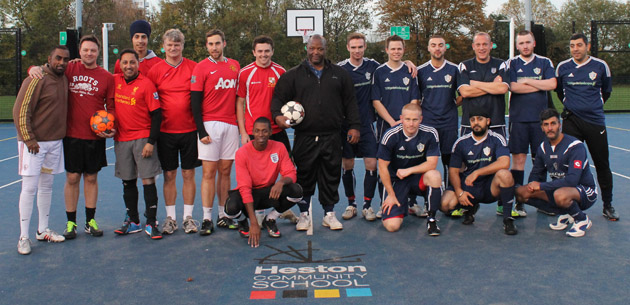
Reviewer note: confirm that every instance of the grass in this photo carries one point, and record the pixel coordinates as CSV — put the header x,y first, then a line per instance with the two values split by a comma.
x,y
6,107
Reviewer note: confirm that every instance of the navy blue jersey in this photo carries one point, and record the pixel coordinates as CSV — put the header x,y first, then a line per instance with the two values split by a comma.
x,y
527,107
567,165
582,86
470,154
394,88
473,70
405,152
437,91
362,79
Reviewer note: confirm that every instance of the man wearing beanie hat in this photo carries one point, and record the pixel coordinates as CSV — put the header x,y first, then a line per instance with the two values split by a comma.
x,y
140,32
479,171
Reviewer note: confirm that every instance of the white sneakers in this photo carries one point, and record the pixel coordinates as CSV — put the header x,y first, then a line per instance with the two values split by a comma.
x,y
369,214
50,236
24,246
349,213
303,222
330,221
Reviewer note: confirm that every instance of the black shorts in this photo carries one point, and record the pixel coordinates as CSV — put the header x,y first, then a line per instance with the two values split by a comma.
x,y
172,145
84,156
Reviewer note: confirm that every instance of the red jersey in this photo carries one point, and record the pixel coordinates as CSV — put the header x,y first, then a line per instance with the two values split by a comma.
x,y
89,91
173,86
257,169
255,85
134,101
217,80
144,65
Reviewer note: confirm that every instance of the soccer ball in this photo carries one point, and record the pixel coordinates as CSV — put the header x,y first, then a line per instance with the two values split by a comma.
x,y
102,121
294,111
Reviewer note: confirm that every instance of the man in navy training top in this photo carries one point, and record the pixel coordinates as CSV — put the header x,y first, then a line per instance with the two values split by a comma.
x,y
531,76
407,158
584,85
479,172
572,187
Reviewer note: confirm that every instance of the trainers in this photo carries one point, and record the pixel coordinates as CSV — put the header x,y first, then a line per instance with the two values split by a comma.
x,y
562,222
424,213
579,228
304,222
243,228
546,212
519,208
128,227
610,213
272,229
92,228
500,211
50,236
330,221
190,225
349,213
379,214
415,210
469,218
153,231
24,246
457,213
206,227
432,227
223,222
290,216
508,226
71,230
369,214
169,226
232,224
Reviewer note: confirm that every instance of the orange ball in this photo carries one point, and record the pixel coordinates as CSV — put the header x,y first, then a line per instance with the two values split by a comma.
x,y
102,121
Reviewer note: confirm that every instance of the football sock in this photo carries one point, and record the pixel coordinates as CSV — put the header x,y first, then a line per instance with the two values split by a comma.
x,y
151,202
446,160
412,200
348,180
89,214
188,210
130,196
518,176
273,214
434,200
170,212
328,207
575,211
44,199
27,195
222,211
72,216
367,202
507,197
304,204
369,187
207,213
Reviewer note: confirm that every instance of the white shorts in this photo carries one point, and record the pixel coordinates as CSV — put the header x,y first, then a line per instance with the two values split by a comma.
x,y
49,159
225,142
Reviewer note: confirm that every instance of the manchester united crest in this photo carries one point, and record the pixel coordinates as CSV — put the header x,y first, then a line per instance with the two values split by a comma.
x,y
274,157
486,151
448,78
592,75
406,81
537,71
233,68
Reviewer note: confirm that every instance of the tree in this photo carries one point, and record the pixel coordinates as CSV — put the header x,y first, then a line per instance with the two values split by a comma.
x,y
543,12
455,20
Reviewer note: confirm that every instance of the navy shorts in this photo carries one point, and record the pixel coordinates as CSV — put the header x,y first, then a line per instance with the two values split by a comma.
x,y
481,190
588,196
525,137
173,145
412,185
497,129
447,136
366,148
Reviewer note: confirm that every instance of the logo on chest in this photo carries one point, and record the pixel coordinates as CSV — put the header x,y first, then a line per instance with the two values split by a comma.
x,y
274,157
487,151
537,71
272,82
406,81
448,78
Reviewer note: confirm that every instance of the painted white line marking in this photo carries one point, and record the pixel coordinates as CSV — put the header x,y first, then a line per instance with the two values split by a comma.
x,y
620,148
8,139
618,174
9,158
9,184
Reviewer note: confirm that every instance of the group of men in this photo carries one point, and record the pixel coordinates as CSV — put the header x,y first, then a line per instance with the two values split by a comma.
x,y
200,113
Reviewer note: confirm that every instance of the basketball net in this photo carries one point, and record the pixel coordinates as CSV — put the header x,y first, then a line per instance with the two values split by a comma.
x,y
306,34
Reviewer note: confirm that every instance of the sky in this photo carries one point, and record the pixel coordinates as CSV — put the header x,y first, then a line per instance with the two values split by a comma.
x,y
494,5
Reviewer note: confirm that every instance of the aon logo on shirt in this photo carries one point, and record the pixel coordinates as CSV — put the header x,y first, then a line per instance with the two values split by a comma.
x,y
225,84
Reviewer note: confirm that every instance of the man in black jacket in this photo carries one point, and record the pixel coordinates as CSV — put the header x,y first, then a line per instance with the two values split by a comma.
x,y
327,93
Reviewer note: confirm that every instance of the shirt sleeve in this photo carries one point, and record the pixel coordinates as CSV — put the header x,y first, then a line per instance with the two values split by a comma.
x,y
375,89
456,156
241,91
433,149
385,149
151,96
243,178
578,161
512,70
548,71
287,169
503,72
109,100
463,79
415,91
25,104
197,79
117,69
606,79
539,171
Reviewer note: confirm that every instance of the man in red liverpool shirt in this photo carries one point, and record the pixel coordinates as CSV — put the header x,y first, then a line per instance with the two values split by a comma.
x,y
91,88
140,32
138,119
178,133
258,164
213,101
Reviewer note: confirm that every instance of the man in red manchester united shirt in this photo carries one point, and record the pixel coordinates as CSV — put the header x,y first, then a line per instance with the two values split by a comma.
x,y
138,119
213,100
258,164
178,133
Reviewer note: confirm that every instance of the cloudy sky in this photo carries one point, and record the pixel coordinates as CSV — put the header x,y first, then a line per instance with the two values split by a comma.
x,y
494,5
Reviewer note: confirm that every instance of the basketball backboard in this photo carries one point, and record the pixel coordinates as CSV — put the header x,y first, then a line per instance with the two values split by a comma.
x,y
305,22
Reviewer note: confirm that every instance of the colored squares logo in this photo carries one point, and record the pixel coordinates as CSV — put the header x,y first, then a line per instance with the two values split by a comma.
x,y
326,293
262,295
317,293
358,292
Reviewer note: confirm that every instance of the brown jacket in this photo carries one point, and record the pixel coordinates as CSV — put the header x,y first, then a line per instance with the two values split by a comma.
x,y
41,108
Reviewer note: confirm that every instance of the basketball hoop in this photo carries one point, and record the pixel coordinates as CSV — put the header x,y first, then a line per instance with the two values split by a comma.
x,y
306,33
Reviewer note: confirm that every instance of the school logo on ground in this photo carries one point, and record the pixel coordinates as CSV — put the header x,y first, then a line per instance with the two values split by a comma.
x,y
301,273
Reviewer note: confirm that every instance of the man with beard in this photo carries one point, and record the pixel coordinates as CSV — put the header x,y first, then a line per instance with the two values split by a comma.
x,y
479,172
572,187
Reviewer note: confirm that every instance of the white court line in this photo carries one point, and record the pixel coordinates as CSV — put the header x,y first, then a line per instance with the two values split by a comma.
x,y
8,139
9,158
108,148
620,148
618,128
9,184
618,174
